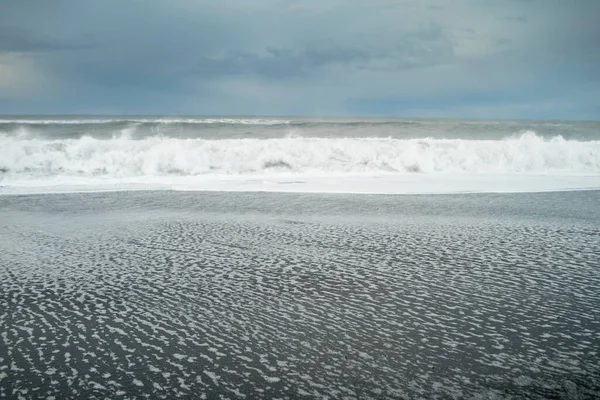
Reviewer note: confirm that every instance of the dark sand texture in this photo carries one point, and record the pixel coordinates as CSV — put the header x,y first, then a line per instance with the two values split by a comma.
x,y
195,295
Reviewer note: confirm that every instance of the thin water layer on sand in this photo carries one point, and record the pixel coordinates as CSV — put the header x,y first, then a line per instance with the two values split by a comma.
x,y
350,184
201,295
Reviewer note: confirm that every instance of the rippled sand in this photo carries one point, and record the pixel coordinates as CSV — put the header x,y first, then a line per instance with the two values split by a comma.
x,y
198,295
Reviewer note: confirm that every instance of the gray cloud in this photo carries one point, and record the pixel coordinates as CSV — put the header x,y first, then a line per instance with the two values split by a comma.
x,y
412,51
16,39
291,56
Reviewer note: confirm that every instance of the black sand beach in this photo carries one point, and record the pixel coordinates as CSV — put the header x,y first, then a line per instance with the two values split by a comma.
x,y
266,295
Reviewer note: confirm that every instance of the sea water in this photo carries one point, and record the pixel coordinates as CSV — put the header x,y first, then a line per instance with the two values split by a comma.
x,y
40,154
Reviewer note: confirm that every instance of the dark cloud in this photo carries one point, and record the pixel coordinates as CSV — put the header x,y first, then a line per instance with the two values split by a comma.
x,y
16,39
426,49
291,56
279,63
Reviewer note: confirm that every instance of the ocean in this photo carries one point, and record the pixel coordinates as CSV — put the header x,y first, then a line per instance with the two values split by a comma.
x,y
299,258
40,154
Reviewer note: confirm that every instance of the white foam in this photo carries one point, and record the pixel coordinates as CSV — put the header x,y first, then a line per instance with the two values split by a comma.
x,y
370,165
359,184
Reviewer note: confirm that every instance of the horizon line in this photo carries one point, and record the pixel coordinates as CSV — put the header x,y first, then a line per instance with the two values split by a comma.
x,y
362,116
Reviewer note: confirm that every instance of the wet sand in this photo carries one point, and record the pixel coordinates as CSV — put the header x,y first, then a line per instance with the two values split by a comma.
x,y
264,295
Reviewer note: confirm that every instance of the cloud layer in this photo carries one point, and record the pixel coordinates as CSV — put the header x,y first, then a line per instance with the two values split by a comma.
x,y
466,58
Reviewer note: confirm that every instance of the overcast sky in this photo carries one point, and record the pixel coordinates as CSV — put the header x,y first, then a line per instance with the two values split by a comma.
x,y
428,58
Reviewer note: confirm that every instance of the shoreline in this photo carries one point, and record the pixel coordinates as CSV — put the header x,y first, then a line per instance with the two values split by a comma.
x,y
370,184
408,194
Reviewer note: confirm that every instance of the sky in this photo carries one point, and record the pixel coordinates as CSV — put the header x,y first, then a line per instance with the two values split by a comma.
x,y
431,58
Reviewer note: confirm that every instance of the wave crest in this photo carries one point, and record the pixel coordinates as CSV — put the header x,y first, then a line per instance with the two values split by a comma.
x,y
122,157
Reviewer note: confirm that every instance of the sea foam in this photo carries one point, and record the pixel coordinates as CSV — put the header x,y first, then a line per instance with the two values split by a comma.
x,y
122,157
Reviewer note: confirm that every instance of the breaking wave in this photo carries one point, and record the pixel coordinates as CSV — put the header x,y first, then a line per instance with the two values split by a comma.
x,y
122,157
